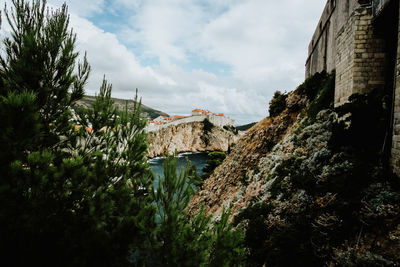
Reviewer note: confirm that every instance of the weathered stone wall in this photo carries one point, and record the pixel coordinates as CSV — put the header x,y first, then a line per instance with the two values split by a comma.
x,y
344,61
322,44
395,160
352,43
219,121
344,40
360,57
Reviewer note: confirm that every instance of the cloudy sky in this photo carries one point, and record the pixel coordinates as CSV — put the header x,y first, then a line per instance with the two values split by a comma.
x,y
223,55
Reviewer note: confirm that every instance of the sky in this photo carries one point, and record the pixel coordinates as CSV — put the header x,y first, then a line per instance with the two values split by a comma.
x,y
227,56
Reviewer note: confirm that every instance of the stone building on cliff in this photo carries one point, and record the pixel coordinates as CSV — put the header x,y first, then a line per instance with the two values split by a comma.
x,y
360,40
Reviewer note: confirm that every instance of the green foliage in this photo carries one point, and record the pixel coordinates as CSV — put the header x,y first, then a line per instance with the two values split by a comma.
x,y
231,128
175,232
244,179
277,104
366,110
184,241
214,159
312,85
207,126
274,244
231,147
77,190
290,177
14,137
325,94
245,127
40,59
337,195
353,258
256,232
69,196
88,101
227,245
256,169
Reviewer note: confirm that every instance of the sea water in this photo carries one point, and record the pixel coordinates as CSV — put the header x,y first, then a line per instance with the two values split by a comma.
x,y
198,159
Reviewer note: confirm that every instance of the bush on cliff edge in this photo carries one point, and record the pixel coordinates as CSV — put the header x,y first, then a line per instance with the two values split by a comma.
x,y
330,205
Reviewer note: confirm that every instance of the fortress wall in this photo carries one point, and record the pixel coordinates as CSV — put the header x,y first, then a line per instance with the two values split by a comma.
x,y
360,57
322,43
395,159
219,121
369,54
323,46
344,61
151,128
353,42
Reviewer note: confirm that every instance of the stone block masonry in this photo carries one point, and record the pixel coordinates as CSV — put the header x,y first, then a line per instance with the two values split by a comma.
x,y
359,38
395,158
345,40
360,57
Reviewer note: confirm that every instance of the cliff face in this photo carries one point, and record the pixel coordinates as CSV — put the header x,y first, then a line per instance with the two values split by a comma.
x,y
248,172
239,179
310,188
189,137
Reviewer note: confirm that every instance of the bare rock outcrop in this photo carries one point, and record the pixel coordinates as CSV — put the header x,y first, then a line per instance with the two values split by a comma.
x,y
189,137
238,180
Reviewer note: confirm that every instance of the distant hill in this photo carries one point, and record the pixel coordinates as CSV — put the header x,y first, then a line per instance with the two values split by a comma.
x,y
150,113
245,127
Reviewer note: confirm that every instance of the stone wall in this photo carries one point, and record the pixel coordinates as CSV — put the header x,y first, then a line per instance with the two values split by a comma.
x,y
358,42
360,57
395,159
219,121
322,44
344,40
344,61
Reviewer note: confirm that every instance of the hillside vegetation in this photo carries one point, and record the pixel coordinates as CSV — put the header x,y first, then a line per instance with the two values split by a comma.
x,y
245,126
311,186
147,112
78,190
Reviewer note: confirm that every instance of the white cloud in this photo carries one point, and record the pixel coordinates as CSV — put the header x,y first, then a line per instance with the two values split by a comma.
x,y
165,28
259,37
260,45
263,42
81,7
108,56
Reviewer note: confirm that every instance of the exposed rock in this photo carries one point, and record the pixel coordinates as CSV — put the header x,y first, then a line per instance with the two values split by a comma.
x,y
287,177
238,180
189,137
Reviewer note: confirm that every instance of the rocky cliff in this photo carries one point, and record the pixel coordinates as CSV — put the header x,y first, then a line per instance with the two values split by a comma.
x,y
239,179
189,137
312,186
